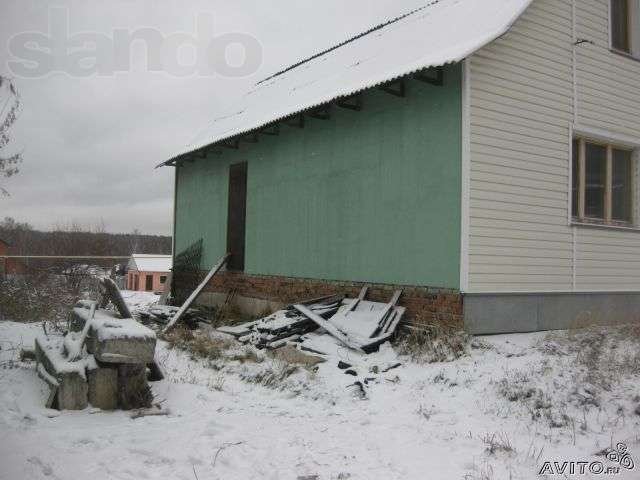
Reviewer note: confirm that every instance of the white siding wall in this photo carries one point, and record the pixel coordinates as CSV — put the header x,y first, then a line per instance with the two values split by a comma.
x,y
523,109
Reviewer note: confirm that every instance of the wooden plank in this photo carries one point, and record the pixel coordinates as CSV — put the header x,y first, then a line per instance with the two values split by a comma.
x,y
356,301
392,303
329,327
185,306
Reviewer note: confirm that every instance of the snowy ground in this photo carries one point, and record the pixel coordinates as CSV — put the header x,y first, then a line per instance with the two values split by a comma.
x,y
500,412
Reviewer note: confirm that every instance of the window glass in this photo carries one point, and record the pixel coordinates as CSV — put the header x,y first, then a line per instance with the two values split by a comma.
x,y
163,279
620,20
595,178
621,186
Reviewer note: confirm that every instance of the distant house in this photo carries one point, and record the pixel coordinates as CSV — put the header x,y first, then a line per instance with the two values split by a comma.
x,y
148,273
484,155
9,266
4,250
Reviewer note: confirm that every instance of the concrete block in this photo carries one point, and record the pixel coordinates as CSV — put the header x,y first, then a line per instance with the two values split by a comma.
x,y
133,389
103,387
65,377
120,340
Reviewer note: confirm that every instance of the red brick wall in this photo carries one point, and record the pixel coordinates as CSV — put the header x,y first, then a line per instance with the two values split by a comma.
x,y
424,305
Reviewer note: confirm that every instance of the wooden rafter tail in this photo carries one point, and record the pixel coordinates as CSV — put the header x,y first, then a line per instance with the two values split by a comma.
x,y
351,103
272,130
234,144
438,80
396,87
295,121
321,113
185,306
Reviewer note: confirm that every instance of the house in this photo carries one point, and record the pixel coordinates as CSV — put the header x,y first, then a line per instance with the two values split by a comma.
x,y
9,266
4,250
482,154
148,273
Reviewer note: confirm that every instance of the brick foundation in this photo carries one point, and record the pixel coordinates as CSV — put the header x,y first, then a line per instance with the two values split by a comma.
x,y
424,305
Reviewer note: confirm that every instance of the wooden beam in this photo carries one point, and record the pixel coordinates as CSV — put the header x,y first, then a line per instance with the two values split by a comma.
x,y
295,121
235,144
321,113
395,87
351,103
271,130
253,138
437,79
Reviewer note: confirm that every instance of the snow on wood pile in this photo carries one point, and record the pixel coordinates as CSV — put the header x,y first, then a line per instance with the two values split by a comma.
x,y
357,323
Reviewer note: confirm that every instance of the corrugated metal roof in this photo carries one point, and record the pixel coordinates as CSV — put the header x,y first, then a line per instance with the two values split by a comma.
x,y
439,33
150,263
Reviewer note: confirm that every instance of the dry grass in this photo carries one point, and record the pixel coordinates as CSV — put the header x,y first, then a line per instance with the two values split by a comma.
x,y
603,355
433,344
497,443
198,344
273,375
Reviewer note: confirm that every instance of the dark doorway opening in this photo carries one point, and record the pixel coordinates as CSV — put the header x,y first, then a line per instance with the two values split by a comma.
x,y
149,283
236,216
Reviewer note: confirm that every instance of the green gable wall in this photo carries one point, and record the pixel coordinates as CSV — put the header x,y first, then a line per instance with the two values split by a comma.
x,y
365,196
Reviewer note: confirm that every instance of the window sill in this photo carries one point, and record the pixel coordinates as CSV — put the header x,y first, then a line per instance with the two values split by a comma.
x,y
622,53
605,226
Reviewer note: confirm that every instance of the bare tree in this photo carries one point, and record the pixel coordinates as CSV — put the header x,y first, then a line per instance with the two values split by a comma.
x,y
10,104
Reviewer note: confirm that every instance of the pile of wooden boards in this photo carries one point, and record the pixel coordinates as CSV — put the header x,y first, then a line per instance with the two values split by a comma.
x,y
357,323
283,326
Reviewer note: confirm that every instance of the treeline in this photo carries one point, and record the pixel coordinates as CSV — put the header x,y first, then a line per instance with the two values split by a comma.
x,y
74,239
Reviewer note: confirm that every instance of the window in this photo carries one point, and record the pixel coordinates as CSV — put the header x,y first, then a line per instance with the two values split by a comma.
x,y
163,279
602,183
625,26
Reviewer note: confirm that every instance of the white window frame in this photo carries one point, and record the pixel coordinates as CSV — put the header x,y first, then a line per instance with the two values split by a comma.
x,y
635,31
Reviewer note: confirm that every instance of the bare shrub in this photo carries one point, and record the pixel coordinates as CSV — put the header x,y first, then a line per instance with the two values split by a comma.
x,y
604,355
434,344
516,387
272,375
199,345
42,297
497,443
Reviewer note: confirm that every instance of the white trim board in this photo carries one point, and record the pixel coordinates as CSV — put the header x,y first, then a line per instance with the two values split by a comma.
x,y
465,175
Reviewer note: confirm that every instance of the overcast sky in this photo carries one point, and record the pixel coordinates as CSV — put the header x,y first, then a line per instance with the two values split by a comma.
x,y
91,143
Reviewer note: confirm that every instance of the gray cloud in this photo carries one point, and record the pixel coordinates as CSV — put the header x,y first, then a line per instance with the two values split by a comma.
x,y
91,144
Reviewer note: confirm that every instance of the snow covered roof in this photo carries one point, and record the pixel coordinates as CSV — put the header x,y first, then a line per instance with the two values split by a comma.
x,y
438,33
150,263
